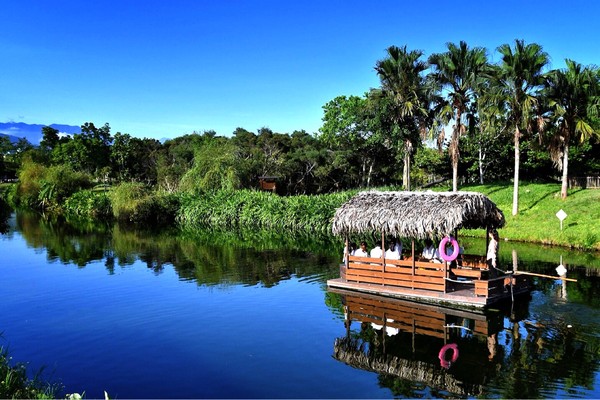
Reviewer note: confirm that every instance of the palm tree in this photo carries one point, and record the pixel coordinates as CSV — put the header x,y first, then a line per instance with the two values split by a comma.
x,y
402,82
519,78
456,72
573,97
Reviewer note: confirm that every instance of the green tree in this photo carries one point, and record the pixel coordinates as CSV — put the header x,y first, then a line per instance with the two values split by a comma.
x,y
175,158
5,149
215,167
518,81
346,132
573,97
457,72
50,138
402,81
134,159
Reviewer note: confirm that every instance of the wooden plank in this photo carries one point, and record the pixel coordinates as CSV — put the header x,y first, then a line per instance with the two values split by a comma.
x,y
392,278
395,283
467,273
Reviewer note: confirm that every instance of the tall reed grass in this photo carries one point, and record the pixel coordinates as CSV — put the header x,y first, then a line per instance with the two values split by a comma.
x,y
260,210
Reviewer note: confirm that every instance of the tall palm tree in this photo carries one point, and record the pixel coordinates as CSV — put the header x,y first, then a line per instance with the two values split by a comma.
x,y
573,97
519,78
456,72
403,83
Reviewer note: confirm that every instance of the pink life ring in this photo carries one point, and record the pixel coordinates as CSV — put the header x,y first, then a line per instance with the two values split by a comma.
x,y
455,249
442,355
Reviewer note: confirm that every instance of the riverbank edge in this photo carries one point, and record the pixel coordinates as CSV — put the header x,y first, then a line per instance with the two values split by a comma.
x,y
536,221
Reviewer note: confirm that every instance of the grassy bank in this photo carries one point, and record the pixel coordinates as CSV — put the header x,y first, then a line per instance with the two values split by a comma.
x,y
247,209
537,221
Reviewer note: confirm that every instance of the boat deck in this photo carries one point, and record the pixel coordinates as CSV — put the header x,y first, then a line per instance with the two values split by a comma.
x,y
462,296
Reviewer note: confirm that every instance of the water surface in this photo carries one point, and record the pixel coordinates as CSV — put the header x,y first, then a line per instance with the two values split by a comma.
x,y
223,315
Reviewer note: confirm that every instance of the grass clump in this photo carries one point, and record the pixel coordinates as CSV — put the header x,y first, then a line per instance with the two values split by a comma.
x,y
14,383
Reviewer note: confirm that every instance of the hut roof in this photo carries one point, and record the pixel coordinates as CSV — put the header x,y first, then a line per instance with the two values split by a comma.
x,y
416,214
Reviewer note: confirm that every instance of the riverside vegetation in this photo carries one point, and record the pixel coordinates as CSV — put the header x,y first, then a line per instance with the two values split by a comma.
x,y
250,209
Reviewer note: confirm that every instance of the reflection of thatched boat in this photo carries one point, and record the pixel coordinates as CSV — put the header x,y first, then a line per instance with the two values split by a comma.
x,y
420,215
402,339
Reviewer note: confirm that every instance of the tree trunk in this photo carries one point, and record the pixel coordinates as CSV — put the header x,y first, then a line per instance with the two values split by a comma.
x,y
407,162
515,208
364,172
565,172
454,151
406,170
481,157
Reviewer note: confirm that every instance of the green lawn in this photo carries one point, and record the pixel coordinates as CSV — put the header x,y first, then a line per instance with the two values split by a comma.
x,y
537,220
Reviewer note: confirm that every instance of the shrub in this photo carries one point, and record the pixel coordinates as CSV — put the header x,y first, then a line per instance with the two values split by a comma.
x,y
155,210
47,187
88,204
28,188
132,202
58,183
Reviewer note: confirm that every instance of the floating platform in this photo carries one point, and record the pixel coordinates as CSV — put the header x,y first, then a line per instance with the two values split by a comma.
x,y
467,287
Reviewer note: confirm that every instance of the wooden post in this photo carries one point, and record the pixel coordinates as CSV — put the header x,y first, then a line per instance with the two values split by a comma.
x,y
413,263
383,251
347,255
445,274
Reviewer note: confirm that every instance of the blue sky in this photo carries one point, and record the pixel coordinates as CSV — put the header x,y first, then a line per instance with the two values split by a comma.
x,y
166,68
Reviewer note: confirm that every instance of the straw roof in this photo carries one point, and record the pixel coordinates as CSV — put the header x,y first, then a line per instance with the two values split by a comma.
x,y
416,214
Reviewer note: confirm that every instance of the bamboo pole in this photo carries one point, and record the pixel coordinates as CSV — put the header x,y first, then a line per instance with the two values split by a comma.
x,y
544,276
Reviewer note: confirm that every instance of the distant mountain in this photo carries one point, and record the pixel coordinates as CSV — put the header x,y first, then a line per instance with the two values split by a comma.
x,y
32,132
13,139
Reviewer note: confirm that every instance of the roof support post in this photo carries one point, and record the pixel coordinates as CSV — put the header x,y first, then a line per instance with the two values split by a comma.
x,y
412,252
347,255
383,251
445,274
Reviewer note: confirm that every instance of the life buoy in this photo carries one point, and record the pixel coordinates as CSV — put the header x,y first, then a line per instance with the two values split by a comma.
x,y
455,249
442,355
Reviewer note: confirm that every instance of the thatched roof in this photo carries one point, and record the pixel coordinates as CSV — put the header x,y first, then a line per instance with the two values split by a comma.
x,y
416,214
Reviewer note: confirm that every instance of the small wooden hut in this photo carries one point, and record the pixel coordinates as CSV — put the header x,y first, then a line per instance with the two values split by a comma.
x,y
421,215
268,183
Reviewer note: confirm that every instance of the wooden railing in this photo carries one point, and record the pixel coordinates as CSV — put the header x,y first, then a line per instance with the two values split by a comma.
x,y
401,273
417,274
584,182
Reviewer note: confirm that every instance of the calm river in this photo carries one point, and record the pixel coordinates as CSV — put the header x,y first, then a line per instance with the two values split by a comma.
x,y
207,315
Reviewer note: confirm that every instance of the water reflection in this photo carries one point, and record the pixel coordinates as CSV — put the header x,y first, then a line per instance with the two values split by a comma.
x,y
421,350
411,345
548,347
206,257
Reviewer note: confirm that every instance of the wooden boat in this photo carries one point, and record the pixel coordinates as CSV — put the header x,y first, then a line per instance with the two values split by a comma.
x,y
446,349
418,216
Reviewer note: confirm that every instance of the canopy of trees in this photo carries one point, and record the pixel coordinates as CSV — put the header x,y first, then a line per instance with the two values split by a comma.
x,y
546,121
